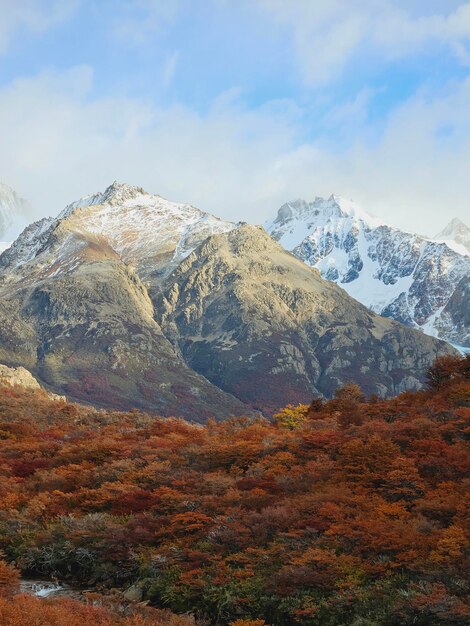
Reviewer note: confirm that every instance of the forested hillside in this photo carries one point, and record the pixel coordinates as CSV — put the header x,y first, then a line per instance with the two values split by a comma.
x,y
349,511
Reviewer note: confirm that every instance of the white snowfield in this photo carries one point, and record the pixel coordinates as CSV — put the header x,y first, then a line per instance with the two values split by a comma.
x,y
394,273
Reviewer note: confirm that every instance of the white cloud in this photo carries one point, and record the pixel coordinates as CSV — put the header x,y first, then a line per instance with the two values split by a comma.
x,y
328,35
169,69
35,16
233,161
137,21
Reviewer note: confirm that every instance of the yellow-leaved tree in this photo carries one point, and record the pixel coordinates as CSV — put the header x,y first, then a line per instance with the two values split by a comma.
x,y
292,416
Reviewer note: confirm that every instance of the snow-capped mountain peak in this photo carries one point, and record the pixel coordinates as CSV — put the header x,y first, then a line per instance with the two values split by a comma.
x,y
394,273
116,194
144,229
456,235
298,219
352,209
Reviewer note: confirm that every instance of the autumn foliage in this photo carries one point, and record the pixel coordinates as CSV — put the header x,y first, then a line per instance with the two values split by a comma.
x,y
29,611
348,511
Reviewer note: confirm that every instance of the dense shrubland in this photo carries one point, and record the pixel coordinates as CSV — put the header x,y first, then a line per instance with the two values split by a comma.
x,y
349,511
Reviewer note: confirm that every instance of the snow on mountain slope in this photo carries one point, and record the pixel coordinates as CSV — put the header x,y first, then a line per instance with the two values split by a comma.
x,y
396,274
456,235
12,215
146,231
75,312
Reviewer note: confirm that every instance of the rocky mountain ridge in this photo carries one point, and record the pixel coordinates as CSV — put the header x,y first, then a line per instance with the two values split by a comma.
x,y
259,323
396,274
127,300
79,317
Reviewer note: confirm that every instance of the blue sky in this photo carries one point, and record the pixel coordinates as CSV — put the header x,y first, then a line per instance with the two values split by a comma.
x,y
240,105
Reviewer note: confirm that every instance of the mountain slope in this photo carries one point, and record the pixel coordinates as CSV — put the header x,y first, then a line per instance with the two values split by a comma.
x,y
148,232
393,273
80,319
260,324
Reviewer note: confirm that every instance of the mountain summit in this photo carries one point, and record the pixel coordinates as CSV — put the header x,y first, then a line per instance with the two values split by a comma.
x,y
456,235
147,231
394,273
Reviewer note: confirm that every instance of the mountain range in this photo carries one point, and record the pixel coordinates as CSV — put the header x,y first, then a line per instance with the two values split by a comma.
x,y
420,282
127,300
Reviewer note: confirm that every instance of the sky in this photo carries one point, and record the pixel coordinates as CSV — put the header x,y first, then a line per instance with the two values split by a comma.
x,y
237,106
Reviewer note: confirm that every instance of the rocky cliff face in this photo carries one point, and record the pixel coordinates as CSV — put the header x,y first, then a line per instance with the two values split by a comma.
x,y
455,317
395,274
127,300
260,324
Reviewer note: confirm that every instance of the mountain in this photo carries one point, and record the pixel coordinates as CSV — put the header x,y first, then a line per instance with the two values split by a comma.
x,y
396,274
260,324
12,215
80,319
455,316
456,235
128,300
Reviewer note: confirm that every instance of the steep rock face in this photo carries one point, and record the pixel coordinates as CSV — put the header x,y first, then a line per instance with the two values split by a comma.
x,y
262,325
12,215
456,235
395,274
81,320
455,317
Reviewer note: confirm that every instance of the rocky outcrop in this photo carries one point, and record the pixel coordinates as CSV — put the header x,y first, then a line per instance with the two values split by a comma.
x,y
455,318
20,377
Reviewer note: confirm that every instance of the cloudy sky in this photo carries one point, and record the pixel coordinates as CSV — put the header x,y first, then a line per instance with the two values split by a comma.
x,y
237,106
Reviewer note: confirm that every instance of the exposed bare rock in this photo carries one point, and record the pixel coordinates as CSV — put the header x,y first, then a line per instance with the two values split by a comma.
x,y
260,324
20,377
82,321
